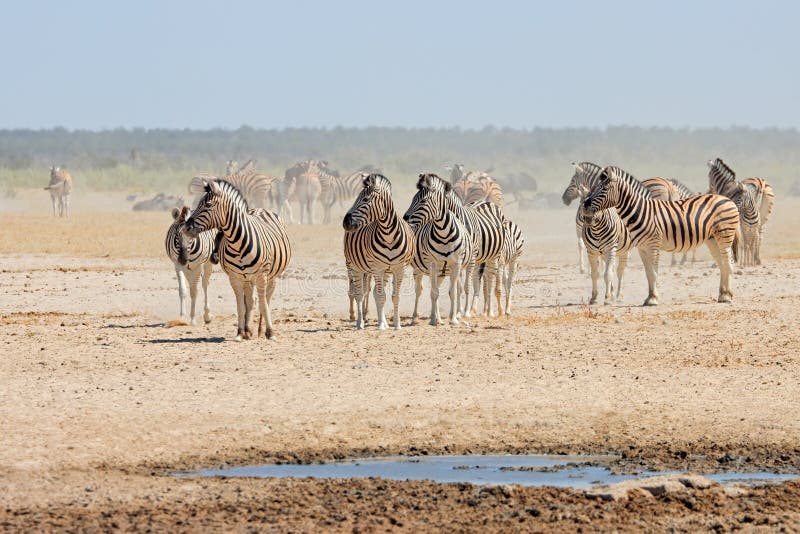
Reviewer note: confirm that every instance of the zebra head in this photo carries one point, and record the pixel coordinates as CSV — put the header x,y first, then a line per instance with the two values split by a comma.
x,y
604,194
220,199
374,203
428,202
720,176
745,199
581,181
178,218
231,166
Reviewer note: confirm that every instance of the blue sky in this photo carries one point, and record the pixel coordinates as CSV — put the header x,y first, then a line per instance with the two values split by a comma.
x,y
198,64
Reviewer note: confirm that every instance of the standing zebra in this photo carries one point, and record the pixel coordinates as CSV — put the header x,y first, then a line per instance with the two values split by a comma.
x,y
513,242
338,190
442,245
678,226
192,259
746,198
254,249
484,221
60,188
308,188
605,236
376,242
722,181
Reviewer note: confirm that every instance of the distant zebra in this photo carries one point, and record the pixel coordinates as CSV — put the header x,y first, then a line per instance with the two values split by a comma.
x,y
376,242
484,189
192,260
254,249
671,190
256,188
308,188
722,181
338,190
679,226
60,188
442,246
484,221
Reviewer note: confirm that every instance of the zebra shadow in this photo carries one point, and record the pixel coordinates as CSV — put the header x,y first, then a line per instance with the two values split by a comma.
x,y
188,340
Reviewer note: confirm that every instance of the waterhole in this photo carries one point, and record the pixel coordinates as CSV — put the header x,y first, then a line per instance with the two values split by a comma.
x,y
579,472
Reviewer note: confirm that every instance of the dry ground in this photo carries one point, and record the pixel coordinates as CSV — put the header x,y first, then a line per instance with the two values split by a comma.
x,y
98,399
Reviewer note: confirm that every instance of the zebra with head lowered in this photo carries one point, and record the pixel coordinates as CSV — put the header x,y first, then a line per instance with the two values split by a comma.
x,y
254,249
60,188
192,258
484,222
678,226
722,181
376,242
442,246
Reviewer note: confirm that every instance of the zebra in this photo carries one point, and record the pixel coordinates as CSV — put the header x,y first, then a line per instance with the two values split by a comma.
x,y
484,189
442,245
376,242
192,259
513,243
338,189
307,188
484,221
256,188
745,196
253,251
722,181
605,236
60,188
677,226
671,190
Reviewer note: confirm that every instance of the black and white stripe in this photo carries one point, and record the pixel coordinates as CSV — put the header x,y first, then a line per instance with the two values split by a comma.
x,y
376,242
254,248
192,258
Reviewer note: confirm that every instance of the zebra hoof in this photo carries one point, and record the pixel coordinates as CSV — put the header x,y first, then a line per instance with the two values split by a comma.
x,y
651,301
269,334
238,337
724,297
434,322
593,300
193,321
453,322
207,318
382,326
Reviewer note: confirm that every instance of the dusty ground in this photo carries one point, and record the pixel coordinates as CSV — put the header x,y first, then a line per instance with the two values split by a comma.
x,y
99,400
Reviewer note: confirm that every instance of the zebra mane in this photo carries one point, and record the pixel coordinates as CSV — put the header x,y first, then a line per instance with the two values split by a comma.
x,y
379,180
230,190
625,176
720,168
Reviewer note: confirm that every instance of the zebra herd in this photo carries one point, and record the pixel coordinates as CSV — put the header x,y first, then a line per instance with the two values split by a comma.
x,y
617,212
453,229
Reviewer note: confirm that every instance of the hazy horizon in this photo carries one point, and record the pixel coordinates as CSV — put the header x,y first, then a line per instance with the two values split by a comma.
x,y
91,65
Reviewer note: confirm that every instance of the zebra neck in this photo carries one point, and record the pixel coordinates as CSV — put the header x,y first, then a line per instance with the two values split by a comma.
x,y
390,221
444,220
630,203
236,223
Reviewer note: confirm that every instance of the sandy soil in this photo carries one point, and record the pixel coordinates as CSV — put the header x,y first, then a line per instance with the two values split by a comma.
x,y
99,401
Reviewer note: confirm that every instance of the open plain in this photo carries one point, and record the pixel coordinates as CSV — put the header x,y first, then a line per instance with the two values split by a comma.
x,y
100,401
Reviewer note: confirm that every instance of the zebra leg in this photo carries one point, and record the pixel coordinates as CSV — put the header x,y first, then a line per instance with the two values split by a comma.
x,y
239,290
248,308
761,229
581,254
351,293
594,267
611,260
455,280
723,258
360,281
622,262
476,287
397,279
433,272
194,279
379,293
181,289
265,288
66,205
497,281
207,268
649,257
368,285
509,279
53,201
417,294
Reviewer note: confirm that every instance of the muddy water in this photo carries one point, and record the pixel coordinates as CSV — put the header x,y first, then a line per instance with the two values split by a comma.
x,y
580,472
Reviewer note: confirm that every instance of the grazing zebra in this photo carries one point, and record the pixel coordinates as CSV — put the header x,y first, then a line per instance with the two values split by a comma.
x,y
442,246
678,226
338,190
376,242
254,249
60,188
746,198
605,236
192,259
484,221
722,181
671,190
484,189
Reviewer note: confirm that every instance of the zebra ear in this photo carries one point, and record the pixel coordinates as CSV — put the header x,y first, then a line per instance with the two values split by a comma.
x,y
577,166
421,180
214,188
710,163
175,213
448,187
